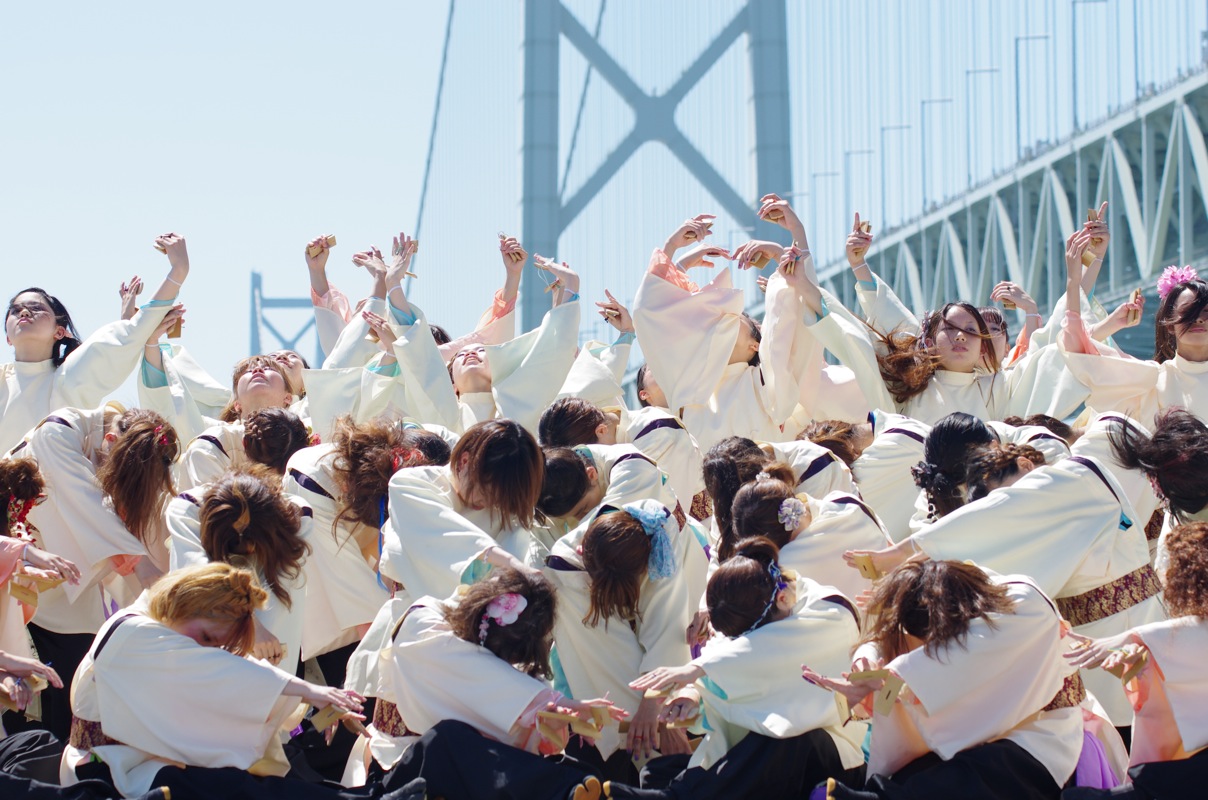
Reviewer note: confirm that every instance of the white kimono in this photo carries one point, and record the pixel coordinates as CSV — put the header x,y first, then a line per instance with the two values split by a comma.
x,y
696,333
1173,719
433,675
29,390
77,520
431,541
753,682
661,436
882,471
605,658
839,522
1073,528
191,399
1142,388
228,717
343,592
285,622
597,373
819,471
212,454
993,687
526,372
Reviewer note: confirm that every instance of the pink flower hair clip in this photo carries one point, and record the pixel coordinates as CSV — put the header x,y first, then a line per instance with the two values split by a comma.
x,y
1172,276
504,609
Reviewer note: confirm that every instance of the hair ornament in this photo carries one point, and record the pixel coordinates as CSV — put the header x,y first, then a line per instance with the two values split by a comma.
x,y
402,456
763,476
779,584
18,510
314,440
1172,276
162,441
656,520
790,513
504,609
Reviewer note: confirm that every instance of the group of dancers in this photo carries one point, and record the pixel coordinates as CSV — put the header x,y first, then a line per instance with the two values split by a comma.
x,y
944,563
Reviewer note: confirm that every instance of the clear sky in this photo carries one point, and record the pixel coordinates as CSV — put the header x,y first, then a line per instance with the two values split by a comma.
x,y
251,127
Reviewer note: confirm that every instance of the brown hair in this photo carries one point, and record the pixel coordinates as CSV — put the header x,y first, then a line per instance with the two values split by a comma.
x,y
247,522
991,465
741,589
992,315
214,591
366,458
1175,457
1165,343
616,552
505,462
565,481
20,481
525,643
1052,424
570,421
137,474
835,435
230,412
1186,584
908,362
756,509
728,465
272,435
934,601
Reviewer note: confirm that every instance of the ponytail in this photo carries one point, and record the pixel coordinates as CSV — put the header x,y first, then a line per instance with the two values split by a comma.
x,y
616,552
1175,458
756,510
272,435
991,465
137,475
247,522
742,591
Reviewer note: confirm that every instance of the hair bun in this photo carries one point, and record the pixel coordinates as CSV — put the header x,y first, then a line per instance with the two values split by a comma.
x,y
757,548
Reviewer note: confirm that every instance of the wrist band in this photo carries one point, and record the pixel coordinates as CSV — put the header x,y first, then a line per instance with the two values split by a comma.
x,y
1033,315
170,279
152,346
396,289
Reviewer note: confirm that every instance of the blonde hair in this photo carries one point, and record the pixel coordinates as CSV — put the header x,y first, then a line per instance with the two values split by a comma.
x,y
214,591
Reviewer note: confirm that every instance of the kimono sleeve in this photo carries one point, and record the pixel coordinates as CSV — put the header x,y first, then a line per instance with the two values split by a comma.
x,y
105,359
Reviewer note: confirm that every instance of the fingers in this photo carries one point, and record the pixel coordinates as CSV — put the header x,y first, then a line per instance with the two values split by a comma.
x,y
50,675
1102,213
855,228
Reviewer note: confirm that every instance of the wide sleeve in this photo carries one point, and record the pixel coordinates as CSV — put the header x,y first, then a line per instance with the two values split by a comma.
x,y
597,373
496,326
425,374
205,460
353,347
427,546
666,609
184,532
883,309
76,522
665,440
851,342
786,350
695,331
527,372
105,359
190,398
1179,646
332,312
1115,383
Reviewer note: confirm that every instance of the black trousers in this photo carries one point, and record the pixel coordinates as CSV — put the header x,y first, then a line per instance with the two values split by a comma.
x,y
459,763
328,760
757,767
31,754
1000,770
64,652
199,783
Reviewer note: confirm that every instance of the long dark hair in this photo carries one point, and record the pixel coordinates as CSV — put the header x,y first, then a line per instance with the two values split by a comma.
x,y
907,361
727,466
63,347
1165,343
945,458
1175,458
